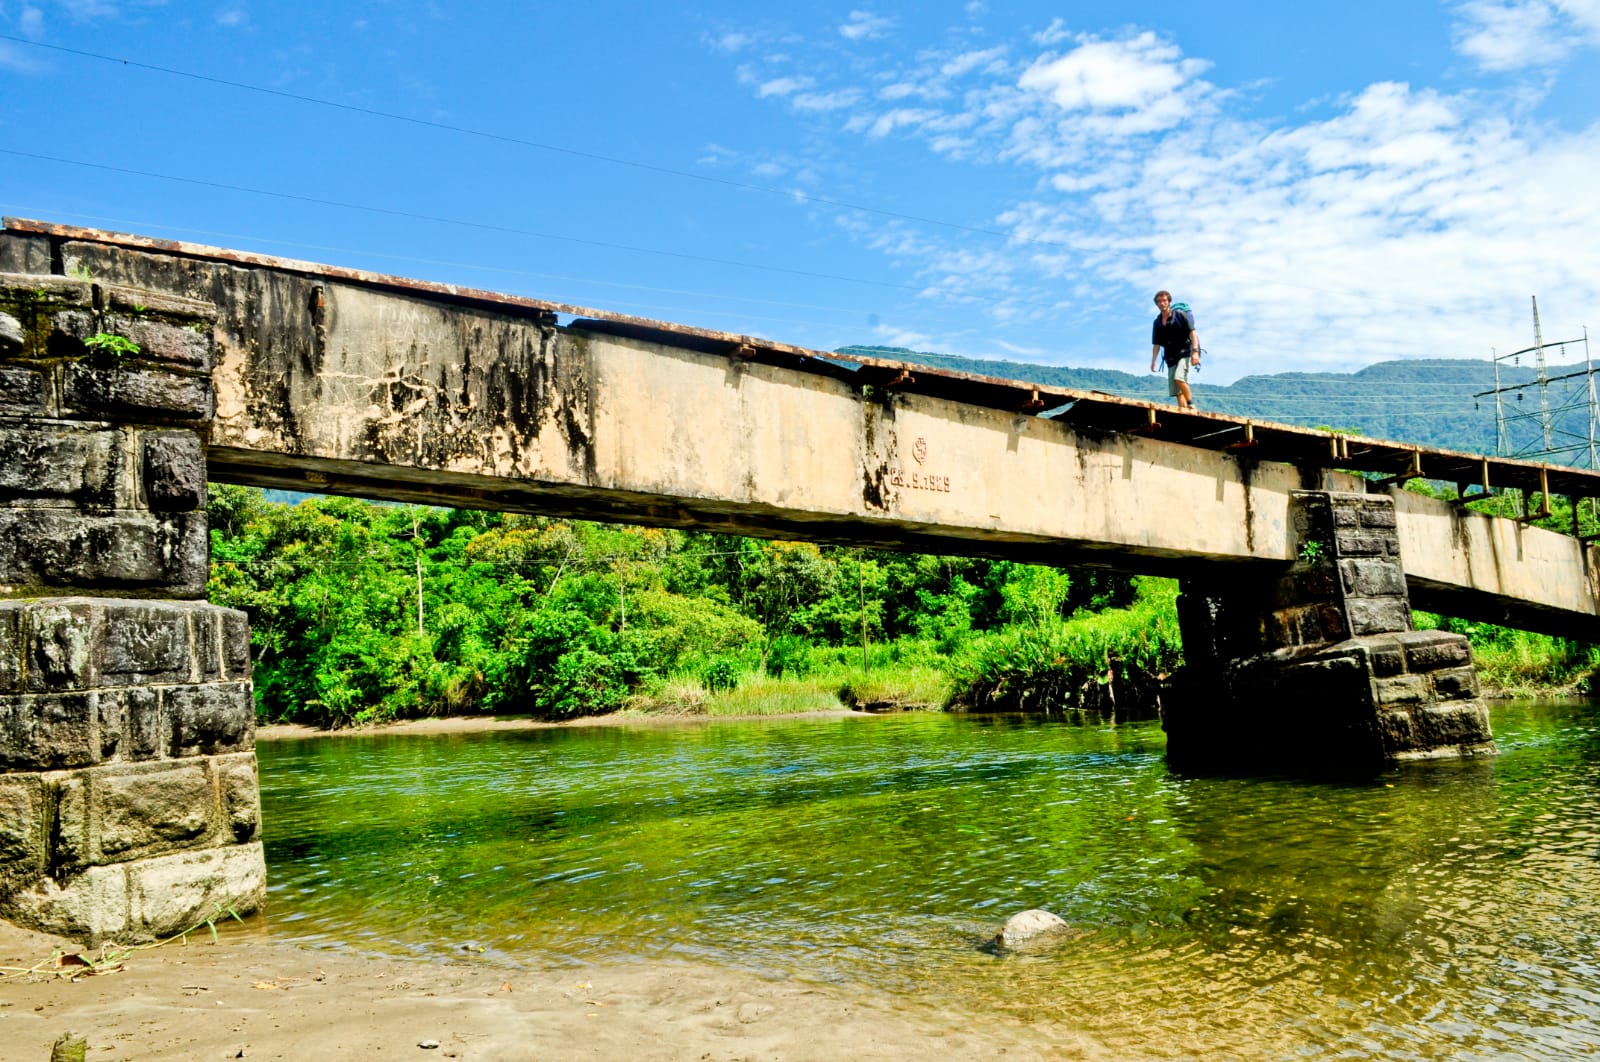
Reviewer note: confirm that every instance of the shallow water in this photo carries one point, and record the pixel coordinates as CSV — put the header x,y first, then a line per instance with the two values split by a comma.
x,y
1441,911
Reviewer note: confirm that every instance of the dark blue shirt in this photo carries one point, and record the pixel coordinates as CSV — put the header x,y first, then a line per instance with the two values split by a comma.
x,y
1173,337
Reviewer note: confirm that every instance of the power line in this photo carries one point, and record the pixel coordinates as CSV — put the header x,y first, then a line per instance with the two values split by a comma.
x,y
535,144
483,225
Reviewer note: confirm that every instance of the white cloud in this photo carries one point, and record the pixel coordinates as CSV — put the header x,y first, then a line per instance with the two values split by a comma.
x,y
1052,34
1507,35
783,86
967,62
1510,34
31,21
827,101
232,17
889,121
731,41
864,26
88,9
1140,75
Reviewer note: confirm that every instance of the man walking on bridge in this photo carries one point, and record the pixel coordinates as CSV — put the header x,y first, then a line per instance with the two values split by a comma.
x,y
1174,334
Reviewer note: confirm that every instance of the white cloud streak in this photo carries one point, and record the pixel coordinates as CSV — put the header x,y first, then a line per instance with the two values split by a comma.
x,y
864,26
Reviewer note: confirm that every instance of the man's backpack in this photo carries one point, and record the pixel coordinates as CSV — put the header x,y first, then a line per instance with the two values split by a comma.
x,y
1182,309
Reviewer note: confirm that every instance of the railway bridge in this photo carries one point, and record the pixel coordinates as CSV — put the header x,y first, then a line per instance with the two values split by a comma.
x,y
134,370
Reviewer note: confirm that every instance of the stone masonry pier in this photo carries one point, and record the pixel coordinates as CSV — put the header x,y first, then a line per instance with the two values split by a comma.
x,y
1319,665
128,793
132,370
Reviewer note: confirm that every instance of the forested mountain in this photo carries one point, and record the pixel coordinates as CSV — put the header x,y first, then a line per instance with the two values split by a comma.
x,y
1430,401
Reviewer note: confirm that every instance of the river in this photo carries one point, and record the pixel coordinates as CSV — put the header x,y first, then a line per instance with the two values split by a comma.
x,y
1447,910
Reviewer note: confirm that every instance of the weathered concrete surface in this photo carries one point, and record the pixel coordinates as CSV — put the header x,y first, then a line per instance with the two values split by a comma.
x,y
1465,563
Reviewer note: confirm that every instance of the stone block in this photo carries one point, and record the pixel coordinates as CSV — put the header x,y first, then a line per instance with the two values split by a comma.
x,y
61,460
211,718
177,344
52,549
175,893
110,720
1346,516
22,253
68,848
1378,615
40,286
1386,656
58,641
1333,677
1359,544
147,735
48,731
23,392
206,625
236,644
131,393
138,301
1395,730
1378,515
1403,689
77,325
143,644
1372,577
11,659
1433,650
11,335
1458,723
174,471
22,830
140,810
237,779
90,907
1456,684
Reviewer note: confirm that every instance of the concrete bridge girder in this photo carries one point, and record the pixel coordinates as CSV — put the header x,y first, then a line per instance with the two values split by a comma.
x,y
476,405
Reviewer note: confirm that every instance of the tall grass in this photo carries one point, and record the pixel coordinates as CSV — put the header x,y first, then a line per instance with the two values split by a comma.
x,y
1097,661
757,693
1519,663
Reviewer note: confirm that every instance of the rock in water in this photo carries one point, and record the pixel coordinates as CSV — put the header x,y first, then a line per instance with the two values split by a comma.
x,y
1027,926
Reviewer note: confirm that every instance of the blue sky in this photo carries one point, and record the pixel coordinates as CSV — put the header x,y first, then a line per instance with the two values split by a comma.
x,y
1328,185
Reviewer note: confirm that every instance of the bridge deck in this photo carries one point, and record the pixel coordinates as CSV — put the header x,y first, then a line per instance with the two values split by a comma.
x,y
1476,475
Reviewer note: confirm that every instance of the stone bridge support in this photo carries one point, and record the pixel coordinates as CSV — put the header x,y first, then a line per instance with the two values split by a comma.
x,y
129,805
1319,666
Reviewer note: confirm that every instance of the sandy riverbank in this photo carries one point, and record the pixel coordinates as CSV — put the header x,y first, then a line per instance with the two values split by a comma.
x,y
252,997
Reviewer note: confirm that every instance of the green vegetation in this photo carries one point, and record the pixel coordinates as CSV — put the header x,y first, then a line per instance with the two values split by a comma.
x,y
363,613
1518,662
1091,661
112,344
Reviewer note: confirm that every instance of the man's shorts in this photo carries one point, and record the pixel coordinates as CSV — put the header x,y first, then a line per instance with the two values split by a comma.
x,y
1177,371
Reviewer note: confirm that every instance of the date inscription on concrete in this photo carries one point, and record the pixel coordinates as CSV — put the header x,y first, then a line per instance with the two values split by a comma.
x,y
916,478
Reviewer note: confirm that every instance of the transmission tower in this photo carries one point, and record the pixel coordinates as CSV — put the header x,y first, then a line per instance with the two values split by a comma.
x,y
1549,433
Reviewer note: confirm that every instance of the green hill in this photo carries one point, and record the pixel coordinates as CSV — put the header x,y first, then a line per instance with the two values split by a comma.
x,y
1426,401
